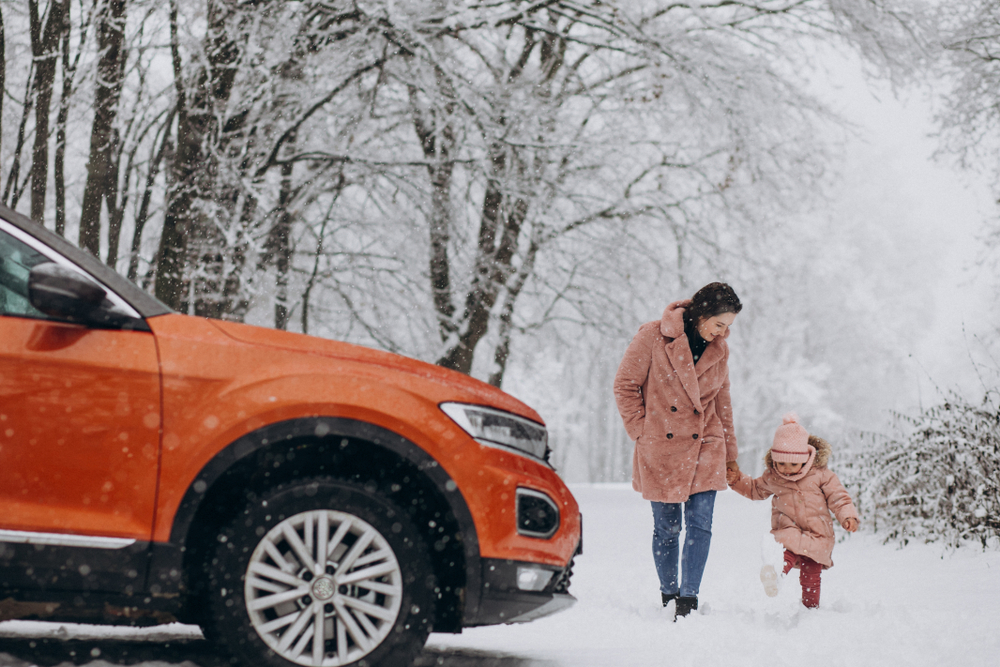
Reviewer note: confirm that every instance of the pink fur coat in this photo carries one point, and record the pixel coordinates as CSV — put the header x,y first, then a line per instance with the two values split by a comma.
x,y
679,413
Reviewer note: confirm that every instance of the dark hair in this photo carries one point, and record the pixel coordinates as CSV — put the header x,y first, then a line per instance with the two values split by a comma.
x,y
711,300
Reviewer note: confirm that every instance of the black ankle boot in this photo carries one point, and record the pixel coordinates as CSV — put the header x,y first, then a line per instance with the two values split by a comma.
x,y
667,598
685,606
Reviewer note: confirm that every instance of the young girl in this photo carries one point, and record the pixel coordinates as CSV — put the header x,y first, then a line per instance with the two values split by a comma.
x,y
805,492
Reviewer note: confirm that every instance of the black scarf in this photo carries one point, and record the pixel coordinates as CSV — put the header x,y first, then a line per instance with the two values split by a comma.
x,y
697,343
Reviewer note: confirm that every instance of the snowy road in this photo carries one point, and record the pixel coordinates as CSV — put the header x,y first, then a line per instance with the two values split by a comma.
x,y
918,606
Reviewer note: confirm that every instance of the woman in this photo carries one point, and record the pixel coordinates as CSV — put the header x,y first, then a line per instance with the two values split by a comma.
x,y
672,390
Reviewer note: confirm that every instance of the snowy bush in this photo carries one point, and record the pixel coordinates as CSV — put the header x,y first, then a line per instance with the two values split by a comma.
x,y
936,477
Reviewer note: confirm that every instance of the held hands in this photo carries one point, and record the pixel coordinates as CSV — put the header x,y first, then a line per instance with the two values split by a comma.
x,y
732,472
850,525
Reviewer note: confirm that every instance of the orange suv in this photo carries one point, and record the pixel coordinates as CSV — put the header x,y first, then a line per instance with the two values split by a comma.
x,y
305,501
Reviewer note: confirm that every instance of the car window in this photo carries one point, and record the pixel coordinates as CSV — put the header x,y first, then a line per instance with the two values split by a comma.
x,y
16,262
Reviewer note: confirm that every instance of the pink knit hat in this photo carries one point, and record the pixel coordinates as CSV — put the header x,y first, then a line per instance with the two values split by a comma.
x,y
791,442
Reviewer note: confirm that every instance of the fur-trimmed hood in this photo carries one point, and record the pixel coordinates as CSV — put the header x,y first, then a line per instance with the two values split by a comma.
x,y
823,451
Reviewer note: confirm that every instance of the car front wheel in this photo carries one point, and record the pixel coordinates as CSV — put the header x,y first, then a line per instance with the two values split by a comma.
x,y
321,573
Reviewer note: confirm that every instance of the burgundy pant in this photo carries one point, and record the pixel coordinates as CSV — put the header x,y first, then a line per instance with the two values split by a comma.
x,y
809,571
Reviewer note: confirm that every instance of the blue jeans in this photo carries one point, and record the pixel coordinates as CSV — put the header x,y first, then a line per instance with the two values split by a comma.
x,y
697,538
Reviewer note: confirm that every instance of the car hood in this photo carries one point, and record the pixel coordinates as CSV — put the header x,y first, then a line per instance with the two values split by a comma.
x,y
467,389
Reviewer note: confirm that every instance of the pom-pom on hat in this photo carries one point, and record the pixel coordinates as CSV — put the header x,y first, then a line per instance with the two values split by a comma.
x,y
791,442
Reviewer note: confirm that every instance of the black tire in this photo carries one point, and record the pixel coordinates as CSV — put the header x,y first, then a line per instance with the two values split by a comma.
x,y
373,600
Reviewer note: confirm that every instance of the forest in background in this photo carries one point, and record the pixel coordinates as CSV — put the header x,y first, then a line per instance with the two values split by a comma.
x,y
508,188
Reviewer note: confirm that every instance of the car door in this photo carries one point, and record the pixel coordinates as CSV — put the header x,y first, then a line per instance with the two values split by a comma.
x,y
79,439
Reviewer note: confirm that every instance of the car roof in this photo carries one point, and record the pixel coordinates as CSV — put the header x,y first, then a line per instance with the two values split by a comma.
x,y
145,304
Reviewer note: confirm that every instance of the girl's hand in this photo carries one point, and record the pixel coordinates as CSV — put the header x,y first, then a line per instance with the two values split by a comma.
x,y
850,525
732,476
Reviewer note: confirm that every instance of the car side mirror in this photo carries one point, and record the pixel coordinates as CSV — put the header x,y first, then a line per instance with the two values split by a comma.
x,y
63,293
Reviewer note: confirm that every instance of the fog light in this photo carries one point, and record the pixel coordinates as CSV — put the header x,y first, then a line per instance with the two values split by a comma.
x,y
537,514
532,579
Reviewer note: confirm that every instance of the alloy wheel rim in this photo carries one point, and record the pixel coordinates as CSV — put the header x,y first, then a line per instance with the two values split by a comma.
x,y
323,588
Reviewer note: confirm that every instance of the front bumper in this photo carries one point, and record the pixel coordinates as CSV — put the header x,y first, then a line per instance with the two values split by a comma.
x,y
504,599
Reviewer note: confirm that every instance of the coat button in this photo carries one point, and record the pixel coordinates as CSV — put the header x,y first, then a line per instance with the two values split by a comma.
x,y
673,408
669,436
694,437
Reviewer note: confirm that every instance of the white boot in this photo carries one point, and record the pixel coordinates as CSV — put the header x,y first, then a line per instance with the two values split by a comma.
x,y
772,554
769,578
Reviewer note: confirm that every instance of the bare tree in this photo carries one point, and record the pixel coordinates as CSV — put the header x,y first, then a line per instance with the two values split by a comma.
x,y
482,159
160,148
3,68
190,237
485,185
14,188
532,126
102,172
70,64
969,43
46,38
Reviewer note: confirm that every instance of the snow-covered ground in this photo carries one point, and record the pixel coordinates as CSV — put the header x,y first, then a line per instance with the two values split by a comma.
x,y
880,605
918,606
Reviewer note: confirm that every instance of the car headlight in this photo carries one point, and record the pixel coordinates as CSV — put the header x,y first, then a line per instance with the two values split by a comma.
x,y
495,428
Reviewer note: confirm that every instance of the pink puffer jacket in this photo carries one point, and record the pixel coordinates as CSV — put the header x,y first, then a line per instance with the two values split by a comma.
x,y
679,413
800,510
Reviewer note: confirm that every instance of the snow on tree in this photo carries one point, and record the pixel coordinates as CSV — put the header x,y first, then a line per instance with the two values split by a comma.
x,y
936,477
492,186
968,43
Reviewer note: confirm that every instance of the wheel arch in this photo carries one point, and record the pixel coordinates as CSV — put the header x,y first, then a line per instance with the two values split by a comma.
x,y
337,447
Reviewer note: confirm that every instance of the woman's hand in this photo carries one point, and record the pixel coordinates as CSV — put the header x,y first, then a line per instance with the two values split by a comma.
x,y
850,525
732,472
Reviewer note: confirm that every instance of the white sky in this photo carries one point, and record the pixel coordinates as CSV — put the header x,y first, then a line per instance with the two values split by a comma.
x,y
933,214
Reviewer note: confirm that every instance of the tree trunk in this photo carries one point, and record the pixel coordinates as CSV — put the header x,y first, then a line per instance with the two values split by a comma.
x,y
143,215
172,253
313,275
506,329
190,240
107,92
171,258
219,267
234,303
437,144
440,237
59,166
281,247
320,240
501,216
68,84
45,43
11,191
116,208
3,71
